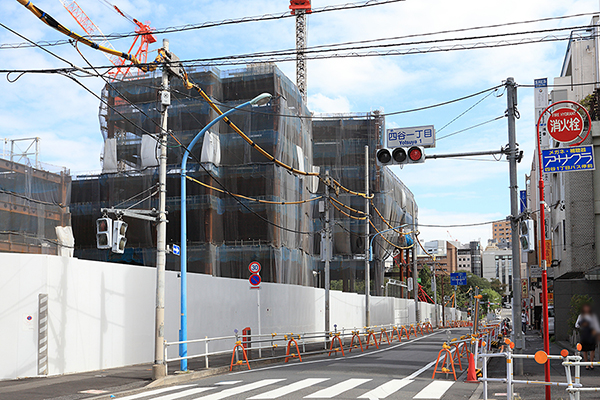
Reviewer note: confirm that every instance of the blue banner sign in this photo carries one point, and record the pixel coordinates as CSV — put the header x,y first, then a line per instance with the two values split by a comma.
x,y
567,159
458,278
523,200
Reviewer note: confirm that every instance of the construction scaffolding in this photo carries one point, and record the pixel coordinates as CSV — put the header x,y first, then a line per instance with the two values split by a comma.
x,y
224,236
339,143
34,208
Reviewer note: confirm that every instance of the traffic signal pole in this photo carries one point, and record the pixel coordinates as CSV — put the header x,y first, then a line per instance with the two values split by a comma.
x,y
159,368
367,255
513,156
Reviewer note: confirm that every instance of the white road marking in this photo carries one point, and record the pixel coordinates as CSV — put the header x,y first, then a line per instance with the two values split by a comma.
x,y
185,393
383,391
154,392
337,389
282,391
227,382
240,389
435,390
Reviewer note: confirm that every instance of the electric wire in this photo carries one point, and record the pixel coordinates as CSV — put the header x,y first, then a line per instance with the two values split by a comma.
x,y
346,214
183,28
346,206
466,111
241,196
314,53
471,127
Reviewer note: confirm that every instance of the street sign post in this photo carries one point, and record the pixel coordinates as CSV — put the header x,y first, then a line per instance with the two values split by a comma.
x,y
412,136
458,278
568,159
254,280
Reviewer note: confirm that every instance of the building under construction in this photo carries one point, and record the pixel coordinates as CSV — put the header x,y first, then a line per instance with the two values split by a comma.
x,y
34,207
226,233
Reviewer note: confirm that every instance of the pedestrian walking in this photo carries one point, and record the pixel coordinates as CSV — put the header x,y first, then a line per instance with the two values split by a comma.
x,y
524,321
589,329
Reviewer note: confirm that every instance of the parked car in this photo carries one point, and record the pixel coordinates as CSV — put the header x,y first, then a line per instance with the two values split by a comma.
x,y
550,320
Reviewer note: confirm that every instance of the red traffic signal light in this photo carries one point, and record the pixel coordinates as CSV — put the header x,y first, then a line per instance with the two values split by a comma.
x,y
415,154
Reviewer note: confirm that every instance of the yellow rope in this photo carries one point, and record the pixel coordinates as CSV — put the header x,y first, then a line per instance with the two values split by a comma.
x,y
388,224
253,199
346,214
347,207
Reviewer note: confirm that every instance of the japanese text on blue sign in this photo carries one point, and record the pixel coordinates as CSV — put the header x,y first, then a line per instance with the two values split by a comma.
x,y
413,136
523,200
458,278
567,159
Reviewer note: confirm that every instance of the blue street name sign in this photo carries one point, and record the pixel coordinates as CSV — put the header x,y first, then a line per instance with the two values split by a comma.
x,y
413,136
523,200
458,278
568,159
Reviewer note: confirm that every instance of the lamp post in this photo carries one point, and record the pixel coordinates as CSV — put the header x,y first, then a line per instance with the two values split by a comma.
x,y
258,101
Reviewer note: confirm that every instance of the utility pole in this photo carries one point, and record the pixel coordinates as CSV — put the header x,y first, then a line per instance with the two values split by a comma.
x,y
415,277
511,98
159,369
327,252
443,304
434,286
367,255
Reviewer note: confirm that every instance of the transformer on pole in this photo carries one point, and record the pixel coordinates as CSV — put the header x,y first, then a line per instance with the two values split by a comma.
x,y
300,8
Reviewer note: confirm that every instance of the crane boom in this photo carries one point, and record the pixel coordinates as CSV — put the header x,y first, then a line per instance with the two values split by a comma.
x,y
90,28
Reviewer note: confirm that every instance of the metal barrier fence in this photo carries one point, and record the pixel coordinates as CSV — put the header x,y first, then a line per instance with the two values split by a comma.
x,y
572,385
348,339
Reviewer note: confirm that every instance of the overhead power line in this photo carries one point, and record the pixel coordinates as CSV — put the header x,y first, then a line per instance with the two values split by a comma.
x,y
189,27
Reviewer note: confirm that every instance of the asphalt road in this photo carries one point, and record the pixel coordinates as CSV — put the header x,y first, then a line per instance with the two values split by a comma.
x,y
396,371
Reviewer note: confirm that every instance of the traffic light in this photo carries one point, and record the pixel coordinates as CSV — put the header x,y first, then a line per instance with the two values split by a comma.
x,y
104,233
526,235
401,155
119,239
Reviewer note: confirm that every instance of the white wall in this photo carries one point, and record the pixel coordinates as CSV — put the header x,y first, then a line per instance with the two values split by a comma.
x,y
101,315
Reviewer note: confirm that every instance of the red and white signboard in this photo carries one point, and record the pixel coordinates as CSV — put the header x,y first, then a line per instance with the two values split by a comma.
x,y
565,124
254,267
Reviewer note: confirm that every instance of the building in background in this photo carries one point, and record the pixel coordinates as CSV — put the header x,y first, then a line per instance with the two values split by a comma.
x,y
502,234
572,220
464,259
497,264
445,252
34,203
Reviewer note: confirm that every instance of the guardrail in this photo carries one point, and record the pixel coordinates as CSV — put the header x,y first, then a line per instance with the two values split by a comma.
x,y
295,344
572,385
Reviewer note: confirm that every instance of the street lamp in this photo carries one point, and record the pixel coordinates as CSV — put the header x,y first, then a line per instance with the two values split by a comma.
x,y
259,100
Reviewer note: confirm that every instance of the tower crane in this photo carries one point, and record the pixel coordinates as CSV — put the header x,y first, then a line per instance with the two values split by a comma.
x,y
144,32
300,8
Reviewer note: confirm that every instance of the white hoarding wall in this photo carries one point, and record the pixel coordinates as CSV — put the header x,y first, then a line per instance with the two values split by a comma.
x,y
101,315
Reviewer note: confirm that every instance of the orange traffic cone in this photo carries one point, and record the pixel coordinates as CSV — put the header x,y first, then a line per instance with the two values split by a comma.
x,y
471,374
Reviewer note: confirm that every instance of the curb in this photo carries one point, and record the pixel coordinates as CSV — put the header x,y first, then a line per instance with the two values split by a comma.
x,y
178,379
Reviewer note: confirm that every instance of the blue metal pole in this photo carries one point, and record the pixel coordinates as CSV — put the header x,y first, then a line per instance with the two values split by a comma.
x,y
183,327
379,233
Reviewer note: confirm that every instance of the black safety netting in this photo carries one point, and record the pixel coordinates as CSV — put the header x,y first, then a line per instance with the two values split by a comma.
x,y
224,234
339,147
34,208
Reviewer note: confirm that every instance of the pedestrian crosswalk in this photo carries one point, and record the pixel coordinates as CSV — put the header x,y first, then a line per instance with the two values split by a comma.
x,y
307,388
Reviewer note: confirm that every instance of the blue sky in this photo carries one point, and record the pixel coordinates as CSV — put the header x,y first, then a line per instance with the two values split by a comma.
x,y
447,191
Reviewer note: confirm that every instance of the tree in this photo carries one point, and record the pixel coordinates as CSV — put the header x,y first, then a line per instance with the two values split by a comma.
x,y
491,296
498,286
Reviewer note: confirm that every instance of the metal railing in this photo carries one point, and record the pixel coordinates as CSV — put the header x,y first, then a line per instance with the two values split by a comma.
x,y
572,385
274,341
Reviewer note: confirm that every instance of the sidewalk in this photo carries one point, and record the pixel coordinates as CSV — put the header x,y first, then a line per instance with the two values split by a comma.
x,y
535,371
126,379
